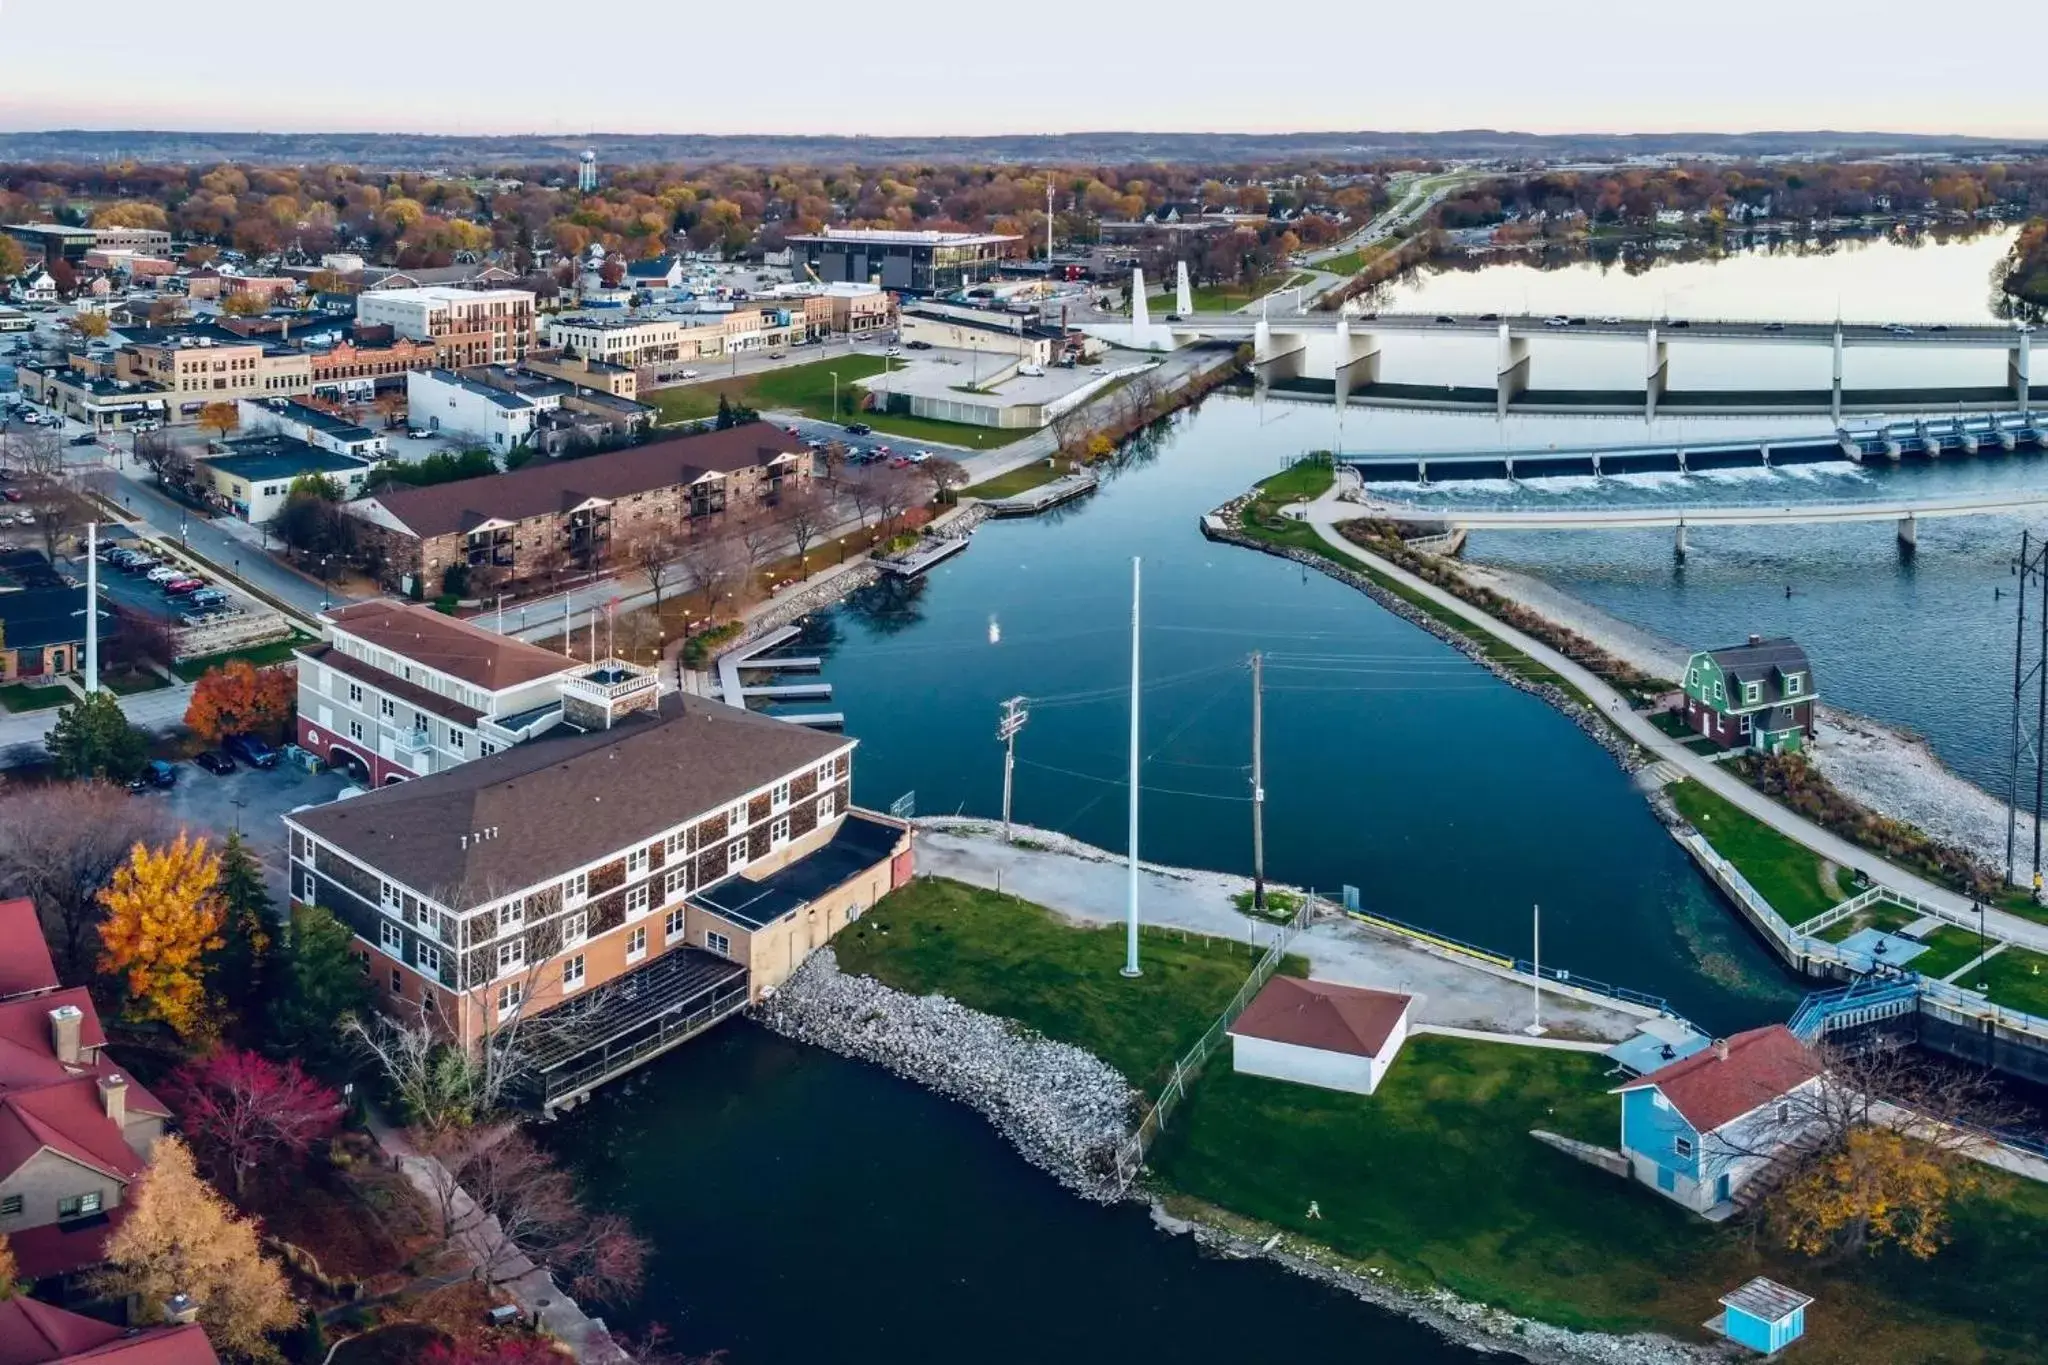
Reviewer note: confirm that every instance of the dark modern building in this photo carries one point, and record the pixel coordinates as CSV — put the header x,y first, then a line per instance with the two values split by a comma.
x,y
927,262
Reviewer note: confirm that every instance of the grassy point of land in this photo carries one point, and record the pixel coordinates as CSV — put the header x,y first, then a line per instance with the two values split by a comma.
x,y
2017,979
1008,957
1223,298
1798,882
1017,481
808,389
1950,948
1883,917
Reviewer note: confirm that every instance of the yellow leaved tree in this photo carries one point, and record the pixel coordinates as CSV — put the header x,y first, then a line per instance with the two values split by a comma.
x,y
163,918
9,1272
181,1237
1878,1187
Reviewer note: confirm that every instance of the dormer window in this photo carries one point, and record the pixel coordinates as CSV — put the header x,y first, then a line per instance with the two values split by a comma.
x,y
1752,691
1793,683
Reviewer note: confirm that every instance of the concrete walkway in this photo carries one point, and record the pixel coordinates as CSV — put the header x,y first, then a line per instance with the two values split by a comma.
x,y
1089,886
1326,512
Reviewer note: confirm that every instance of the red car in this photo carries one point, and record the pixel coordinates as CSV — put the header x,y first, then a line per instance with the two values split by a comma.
x,y
178,587
11,494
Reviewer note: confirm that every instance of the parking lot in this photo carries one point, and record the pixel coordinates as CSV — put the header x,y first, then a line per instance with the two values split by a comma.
x,y
248,799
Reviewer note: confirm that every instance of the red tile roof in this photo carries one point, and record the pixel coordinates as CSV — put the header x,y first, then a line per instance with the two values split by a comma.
x,y
45,1104
60,1248
33,1333
1709,1089
27,1056
1323,1015
24,955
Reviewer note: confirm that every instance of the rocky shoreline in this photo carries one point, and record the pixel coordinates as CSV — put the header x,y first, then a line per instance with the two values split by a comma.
x,y
826,592
1589,721
1065,1110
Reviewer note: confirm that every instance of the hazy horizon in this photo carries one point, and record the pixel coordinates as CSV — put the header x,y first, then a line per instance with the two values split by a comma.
x,y
919,68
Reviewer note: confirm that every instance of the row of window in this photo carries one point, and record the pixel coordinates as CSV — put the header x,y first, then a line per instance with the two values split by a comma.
x,y
575,969
70,1206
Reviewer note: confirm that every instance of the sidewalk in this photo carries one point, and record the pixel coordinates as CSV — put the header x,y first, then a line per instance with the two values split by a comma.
x,y
1327,511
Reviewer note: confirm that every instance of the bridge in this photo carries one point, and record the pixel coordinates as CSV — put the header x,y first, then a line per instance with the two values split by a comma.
x,y
1906,512
1339,354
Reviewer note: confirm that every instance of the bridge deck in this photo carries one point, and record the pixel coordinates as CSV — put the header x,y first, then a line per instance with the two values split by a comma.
x,y
1646,517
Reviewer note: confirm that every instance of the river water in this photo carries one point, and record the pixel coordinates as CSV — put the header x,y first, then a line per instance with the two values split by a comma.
x,y
809,1208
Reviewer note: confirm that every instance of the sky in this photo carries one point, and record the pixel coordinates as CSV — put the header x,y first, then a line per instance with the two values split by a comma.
x,y
938,67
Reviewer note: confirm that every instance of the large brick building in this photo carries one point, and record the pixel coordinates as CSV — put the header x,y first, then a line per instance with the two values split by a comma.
x,y
557,514
593,897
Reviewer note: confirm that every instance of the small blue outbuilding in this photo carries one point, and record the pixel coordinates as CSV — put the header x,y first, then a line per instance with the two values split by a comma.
x,y
1763,1315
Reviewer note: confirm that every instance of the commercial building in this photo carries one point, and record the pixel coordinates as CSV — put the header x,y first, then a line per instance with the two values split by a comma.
x,y
253,479
972,329
359,369
911,262
618,381
590,899
315,426
444,401
75,1131
198,365
466,326
99,400
505,528
42,631
58,241
398,690
618,340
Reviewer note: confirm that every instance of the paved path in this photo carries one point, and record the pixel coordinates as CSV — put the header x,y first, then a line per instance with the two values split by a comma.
x,y
1326,512
1089,885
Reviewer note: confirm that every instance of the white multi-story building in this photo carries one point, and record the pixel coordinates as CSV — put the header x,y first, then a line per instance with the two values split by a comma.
x,y
467,326
630,341
401,690
441,400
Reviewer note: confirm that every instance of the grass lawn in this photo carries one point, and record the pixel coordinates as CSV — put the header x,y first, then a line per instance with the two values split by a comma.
x,y
22,697
1351,262
1009,957
262,656
2018,978
1017,480
1883,916
808,389
1223,298
1797,882
1948,949
1434,1179
129,683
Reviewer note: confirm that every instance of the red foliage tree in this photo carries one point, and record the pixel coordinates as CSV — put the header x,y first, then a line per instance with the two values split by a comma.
x,y
242,1110
241,698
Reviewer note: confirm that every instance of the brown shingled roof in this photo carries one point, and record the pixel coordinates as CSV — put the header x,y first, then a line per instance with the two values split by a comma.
x,y
550,487
1322,1014
1709,1089
448,644
564,800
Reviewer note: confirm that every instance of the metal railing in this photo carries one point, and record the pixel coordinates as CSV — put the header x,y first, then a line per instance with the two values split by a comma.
x,y
1519,965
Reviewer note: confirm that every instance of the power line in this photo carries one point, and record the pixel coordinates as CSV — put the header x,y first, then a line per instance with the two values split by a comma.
x,y
1125,782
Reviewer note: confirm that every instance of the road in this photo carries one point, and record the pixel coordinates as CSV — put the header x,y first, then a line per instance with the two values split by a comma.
x,y
1679,514
1750,332
1328,511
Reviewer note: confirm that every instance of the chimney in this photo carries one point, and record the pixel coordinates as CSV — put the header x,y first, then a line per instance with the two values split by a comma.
x,y
1756,639
65,1023
114,1097
1720,1049
180,1309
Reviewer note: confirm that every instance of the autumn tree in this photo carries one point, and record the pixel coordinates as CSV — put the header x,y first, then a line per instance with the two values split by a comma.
x,y
246,965
166,309
10,1272
89,326
93,738
320,982
240,698
59,845
180,1237
162,926
220,417
244,303
12,259
243,1111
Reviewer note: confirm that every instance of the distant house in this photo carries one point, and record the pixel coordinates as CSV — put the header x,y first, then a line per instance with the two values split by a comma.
x,y
1758,696
1319,1033
1700,1129
659,272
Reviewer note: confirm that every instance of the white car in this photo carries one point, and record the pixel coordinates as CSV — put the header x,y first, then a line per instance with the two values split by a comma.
x,y
1557,322
689,374
164,573
893,350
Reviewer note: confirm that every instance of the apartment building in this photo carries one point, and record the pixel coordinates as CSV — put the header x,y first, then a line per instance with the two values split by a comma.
x,y
75,1131
620,340
398,690
505,528
466,326
198,366
590,899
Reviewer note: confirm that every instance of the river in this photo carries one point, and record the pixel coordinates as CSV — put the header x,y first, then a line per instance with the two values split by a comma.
x,y
806,1208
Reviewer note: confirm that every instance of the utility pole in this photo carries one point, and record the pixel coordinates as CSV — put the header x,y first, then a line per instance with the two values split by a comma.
x,y
1258,787
1131,910
1535,1029
2031,568
1048,228
1014,716
92,607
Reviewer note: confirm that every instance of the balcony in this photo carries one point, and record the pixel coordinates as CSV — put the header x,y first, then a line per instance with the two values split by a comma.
x,y
597,695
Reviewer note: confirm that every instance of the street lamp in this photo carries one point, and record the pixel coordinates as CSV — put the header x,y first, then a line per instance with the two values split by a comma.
x,y
835,394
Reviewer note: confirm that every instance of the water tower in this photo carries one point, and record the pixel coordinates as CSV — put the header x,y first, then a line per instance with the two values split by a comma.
x,y
586,173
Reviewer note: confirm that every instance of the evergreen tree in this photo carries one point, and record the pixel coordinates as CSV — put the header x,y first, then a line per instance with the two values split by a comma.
x,y
320,983
246,968
725,412
92,738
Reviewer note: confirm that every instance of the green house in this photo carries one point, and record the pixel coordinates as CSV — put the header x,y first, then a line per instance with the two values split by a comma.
x,y
1758,696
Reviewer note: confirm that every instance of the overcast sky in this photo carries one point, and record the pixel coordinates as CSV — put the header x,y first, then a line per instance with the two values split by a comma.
x,y
942,66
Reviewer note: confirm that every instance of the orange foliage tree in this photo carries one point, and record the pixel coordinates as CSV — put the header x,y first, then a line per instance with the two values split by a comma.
x,y
240,698
163,924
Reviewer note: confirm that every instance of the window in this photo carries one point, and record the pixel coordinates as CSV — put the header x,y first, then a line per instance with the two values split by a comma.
x,y
828,806
676,884
672,847
1657,1100
387,708
639,900
427,1005
780,797
1683,1147
718,943
1784,1113
778,833
355,694
388,895
79,1205
355,730
576,927
825,773
390,937
509,996
1717,692
1752,691
576,888
456,739
1793,681
672,927
397,982
636,862
636,944
736,818
511,956
309,891
10,1206
513,914
429,959
572,973
736,855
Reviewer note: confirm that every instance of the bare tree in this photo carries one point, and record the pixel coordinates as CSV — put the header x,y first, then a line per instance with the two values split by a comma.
x,y
1070,431
160,451
657,552
899,490
713,563
947,475
806,515
758,539
59,845
861,490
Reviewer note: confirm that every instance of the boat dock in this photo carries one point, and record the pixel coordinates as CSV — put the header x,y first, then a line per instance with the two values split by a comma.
x,y
928,551
757,655
1045,497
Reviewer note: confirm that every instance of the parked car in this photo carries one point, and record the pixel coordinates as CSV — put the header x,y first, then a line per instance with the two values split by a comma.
x,y
138,564
207,597
689,374
918,345
183,587
857,429
251,751
214,761
87,439
893,350
419,433
156,773
11,494
164,573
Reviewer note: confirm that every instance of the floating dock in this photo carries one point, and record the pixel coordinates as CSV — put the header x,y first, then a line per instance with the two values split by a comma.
x,y
928,551
1045,497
